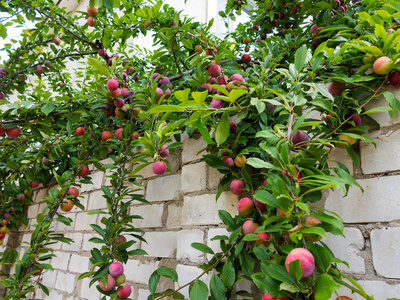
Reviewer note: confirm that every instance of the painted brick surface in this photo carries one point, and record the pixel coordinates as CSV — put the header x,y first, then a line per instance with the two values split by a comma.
x,y
379,202
385,244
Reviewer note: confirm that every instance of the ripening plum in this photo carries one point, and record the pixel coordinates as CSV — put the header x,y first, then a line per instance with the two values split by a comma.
x,y
245,206
311,221
228,160
116,269
249,227
336,88
214,70
159,167
110,284
237,186
124,291
163,151
216,103
382,65
112,84
394,78
306,258
300,139
240,161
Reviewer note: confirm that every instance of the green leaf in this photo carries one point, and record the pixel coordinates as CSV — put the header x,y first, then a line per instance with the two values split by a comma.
x,y
315,230
47,108
215,162
295,270
222,132
217,288
153,282
168,272
259,163
198,291
165,108
267,198
330,220
199,97
203,248
267,284
228,274
183,96
227,219
280,273
236,94
393,102
300,58
324,287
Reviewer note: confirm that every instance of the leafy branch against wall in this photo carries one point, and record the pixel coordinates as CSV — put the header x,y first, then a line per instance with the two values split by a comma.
x,y
271,101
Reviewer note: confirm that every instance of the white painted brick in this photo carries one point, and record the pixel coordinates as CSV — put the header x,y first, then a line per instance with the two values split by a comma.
x,y
89,293
244,285
385,244
49,278
340,155
26,237
146,172
140,272
203,209
163,188
39,194
61,260
83,221
160,244
214,177
33,211
97,179
151,214
53,295
187,274
194,177
190,149
76,244
379,289
379,202
86,245
184,249
174,216
348,248
79,264
143,294
215,245
60,226
96,201
65,282
384,157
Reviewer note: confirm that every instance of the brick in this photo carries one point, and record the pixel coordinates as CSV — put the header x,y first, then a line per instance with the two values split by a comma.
x,y
190,149
187,274
174,216
203,209
53,295
340,155
385,245
348,248
214,177
163,188
382,158
49,278
96,201
76,242
140,272
184,249
151,214
194,177
89,293
160,244
379,289
61,260
97,179
65,282
215,245
143,294
39,194
379,202
86,245
60,226
79,264
83,221
33,211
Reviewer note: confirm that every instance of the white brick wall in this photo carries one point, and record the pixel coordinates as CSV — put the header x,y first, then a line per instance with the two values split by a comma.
x,y
163,188
194,177
185,251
